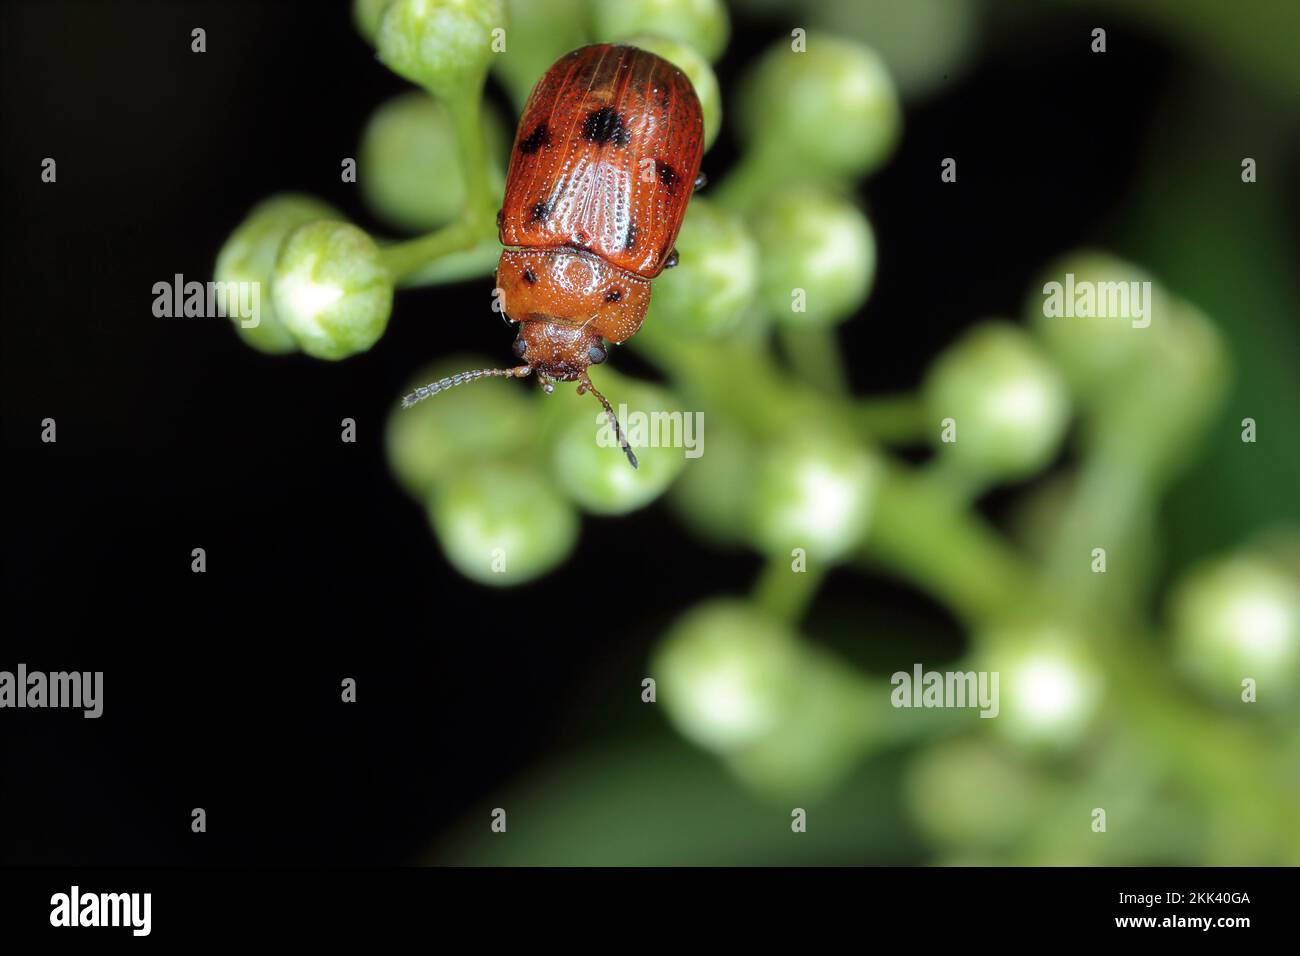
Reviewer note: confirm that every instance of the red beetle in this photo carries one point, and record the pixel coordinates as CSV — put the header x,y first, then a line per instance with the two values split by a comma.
x,y
605,160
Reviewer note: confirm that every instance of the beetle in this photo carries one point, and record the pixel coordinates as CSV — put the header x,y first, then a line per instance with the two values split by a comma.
x,y
605,160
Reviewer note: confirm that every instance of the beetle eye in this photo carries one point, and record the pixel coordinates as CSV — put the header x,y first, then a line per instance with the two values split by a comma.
x,y
597,354
519,347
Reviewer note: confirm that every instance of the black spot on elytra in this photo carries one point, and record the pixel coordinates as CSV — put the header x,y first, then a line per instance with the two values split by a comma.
x,y
613,295
605,125
530,276
541,211
629,237
668,176
534,140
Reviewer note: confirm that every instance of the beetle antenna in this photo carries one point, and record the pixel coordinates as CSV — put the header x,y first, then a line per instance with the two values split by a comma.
x,y
584,384
460,378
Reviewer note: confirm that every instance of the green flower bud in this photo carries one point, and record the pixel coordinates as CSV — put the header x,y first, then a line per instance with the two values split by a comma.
x,y
331,289
366,17
829,111
435,439
701,23
1281,547
1089,320
786,717
502,525
727,675
249,256
1048,688
818,257
926,44
813,492
444,46
968,794
1149,369
409,165
1037,516
822,738
1009,405
1154,416
1236,618
688,60
714,287
586,460
541,31
714,493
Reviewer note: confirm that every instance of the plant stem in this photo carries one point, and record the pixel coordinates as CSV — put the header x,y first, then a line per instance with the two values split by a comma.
x,y
815,356
473,263
946,473
928,536
467,121
785,593
892,419
411,259
412,255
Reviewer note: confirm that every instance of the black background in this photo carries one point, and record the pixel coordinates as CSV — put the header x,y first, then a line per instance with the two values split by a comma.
x,y
222,689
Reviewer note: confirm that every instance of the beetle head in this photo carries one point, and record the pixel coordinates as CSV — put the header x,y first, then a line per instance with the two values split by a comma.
x,y
565,301
557,350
